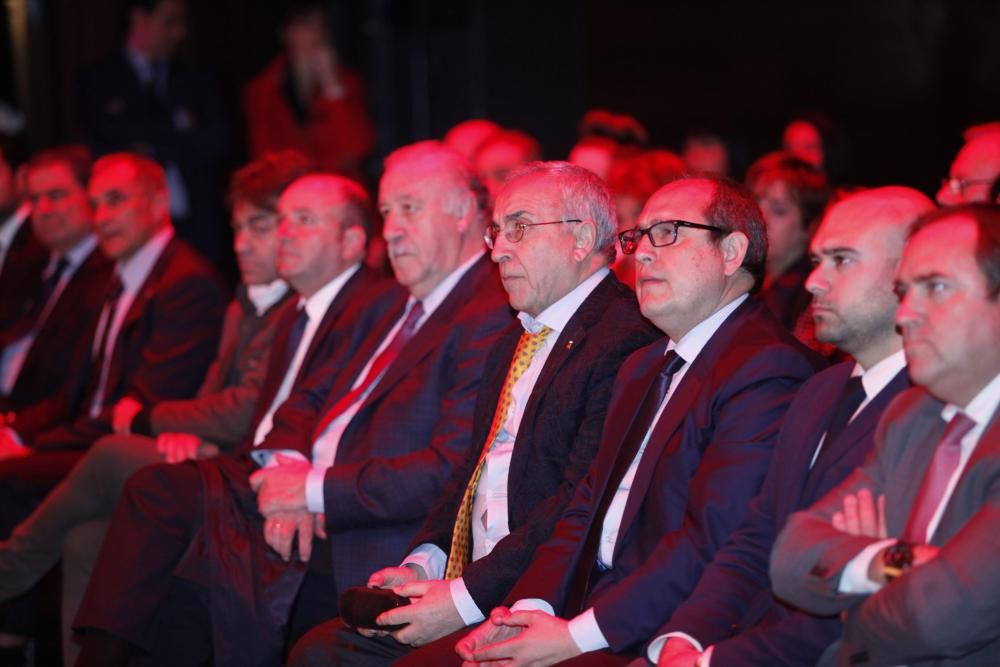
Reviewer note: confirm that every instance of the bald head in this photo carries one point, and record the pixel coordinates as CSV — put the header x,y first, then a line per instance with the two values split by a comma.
x,y
974,170
856,251
323,230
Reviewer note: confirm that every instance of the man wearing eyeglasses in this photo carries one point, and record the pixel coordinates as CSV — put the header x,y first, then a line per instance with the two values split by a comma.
x,y
686,442
537,424
975,169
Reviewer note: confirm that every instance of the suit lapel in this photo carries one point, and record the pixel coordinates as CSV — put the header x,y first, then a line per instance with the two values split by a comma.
x,y
679,407
969,494
859,428
430,333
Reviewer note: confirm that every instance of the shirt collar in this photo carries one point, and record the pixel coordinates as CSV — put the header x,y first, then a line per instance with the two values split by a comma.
x,y
690,346
79,253
878,376
264,296
981,408
317,305
12,225
443,289
134,270
559,313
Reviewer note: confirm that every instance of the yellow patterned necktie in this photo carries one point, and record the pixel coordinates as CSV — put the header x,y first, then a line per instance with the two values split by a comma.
x,y
461,534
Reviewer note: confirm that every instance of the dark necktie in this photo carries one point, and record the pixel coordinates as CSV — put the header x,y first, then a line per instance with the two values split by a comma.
x,y
850,398
946,458
31,319
379,365
672,362
101,356
295,336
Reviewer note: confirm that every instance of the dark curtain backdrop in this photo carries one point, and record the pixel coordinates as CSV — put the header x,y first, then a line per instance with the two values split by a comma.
x,y
903,77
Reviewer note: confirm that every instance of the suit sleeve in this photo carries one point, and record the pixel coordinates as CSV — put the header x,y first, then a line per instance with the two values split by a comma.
x,y
223,416
945,608
385,490
729,474
490,578
184,333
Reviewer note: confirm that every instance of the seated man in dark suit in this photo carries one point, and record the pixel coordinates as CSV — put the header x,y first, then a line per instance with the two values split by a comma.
x,y
686,443
732,613
537,425
143,98
218,418
43,341
363,459
22,256
906,546
155,337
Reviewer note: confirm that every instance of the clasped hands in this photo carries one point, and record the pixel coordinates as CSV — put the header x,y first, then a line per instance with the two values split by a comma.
x,y
281,499
863,515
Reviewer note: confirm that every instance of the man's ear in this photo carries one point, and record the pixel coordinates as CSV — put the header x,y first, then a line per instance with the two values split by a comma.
x,y
734,250
353,242
584,239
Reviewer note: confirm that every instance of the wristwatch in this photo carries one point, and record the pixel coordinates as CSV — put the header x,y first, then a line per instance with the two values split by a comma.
x,y
896,559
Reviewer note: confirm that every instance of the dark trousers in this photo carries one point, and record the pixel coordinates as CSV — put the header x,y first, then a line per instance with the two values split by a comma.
x,y
24,483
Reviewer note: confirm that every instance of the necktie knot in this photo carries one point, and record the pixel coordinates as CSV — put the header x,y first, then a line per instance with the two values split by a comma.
x,y
958,427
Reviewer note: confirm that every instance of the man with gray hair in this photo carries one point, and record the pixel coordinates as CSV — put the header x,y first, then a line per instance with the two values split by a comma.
x,y
537,425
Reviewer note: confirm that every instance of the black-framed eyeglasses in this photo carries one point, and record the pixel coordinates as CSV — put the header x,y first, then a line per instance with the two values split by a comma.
x,y
662,233
957,185
514,231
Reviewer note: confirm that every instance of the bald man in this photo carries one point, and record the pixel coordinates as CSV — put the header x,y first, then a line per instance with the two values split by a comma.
x,y
975,169
732,616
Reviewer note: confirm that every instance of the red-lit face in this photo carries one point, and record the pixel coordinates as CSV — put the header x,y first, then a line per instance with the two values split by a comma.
x,y
803,140
255,242
972,173
126,213
61,215
786,234
495,161
160,32
950,325
855,262
425,217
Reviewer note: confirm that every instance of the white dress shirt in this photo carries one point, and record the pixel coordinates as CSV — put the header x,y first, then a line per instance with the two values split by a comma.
x,y
489,507
854,578
13,356
10,227
874,380
325,447
316,307
264,296
133,273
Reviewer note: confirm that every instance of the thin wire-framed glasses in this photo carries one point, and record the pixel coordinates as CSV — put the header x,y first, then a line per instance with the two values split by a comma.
x,y
514,231
662,233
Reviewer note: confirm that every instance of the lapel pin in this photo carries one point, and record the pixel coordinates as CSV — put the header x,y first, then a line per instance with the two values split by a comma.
x,y
569,344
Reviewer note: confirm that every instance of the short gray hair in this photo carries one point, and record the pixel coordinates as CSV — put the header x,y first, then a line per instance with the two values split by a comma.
x,y
582,192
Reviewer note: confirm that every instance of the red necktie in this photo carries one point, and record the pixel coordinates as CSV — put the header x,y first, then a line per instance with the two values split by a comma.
x,y
942,467
380,364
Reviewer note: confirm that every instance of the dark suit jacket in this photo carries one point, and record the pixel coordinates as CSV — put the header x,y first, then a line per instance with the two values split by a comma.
x,y
411,431
187,128
556,439
222,411
166,343
58,345
704,462
945,612
21,273
733,607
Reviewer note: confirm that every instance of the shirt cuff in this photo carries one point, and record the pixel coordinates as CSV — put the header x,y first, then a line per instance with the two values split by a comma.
x,y
656,646
854,579
533,604
315,501
586,633
430,558
464,603
13,435
265,458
